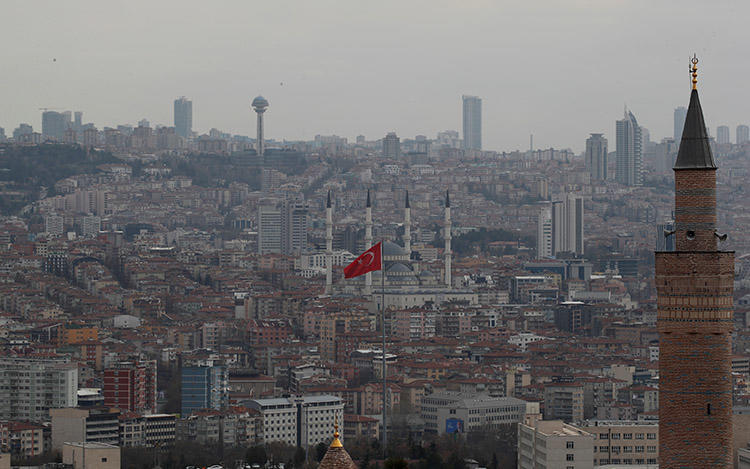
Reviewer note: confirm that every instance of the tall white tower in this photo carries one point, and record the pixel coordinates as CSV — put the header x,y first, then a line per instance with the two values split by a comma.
x,y
260,104
329,245
447,235
407,226
368,241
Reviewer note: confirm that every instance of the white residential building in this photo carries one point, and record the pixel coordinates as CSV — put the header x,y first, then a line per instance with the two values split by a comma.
x,y
554,444
300,421
31,387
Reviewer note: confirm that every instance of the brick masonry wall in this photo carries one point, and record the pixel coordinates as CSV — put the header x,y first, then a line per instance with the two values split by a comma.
x,y
695,209
695,385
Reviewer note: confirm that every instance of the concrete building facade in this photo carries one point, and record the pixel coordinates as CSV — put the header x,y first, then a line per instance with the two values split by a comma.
x,y
554,444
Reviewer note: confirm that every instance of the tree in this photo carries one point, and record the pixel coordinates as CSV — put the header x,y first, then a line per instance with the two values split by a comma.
x,y
256,455
320,451
494,463
299,457
395,463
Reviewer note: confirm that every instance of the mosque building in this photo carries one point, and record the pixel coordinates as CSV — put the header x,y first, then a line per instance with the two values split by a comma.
x,y
408,282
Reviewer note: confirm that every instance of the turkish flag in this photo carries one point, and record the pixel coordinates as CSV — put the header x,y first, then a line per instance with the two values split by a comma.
x,y
369,260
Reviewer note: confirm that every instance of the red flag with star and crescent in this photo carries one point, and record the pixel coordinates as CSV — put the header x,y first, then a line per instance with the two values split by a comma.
x,y
368,261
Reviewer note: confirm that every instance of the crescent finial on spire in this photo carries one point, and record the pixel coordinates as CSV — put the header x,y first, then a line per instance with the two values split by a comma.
x,y
694,71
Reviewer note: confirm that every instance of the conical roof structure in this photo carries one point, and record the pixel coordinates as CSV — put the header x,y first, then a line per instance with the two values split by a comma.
x,y
336,457
695,150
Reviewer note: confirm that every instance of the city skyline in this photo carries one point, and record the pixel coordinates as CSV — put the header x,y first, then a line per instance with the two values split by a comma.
x,y
45,73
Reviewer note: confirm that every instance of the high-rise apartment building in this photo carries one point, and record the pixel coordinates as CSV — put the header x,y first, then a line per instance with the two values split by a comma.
x,y
695,285
282,227
269,229
204,387
629,151
391,145
54,225
563,401
568,225
31,387
472,122
722,135
21,131
91,225
679,121
183,116
301,421
294,227
743,134
131,386
54,125
596,157
78,121
544,234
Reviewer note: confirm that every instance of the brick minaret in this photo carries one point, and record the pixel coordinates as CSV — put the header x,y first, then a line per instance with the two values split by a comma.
x,y
695,285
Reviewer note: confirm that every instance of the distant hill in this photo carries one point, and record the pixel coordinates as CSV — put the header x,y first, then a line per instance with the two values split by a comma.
x,y
26,171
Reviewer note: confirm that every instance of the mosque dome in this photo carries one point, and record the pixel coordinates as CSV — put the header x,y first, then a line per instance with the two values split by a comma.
x,y
392,249
337,457
399,268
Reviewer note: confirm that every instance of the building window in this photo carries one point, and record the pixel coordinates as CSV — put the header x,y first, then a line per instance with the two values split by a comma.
x,y
569,457
569,444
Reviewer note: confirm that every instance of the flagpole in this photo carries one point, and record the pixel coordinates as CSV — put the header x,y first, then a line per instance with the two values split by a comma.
x,y
382,324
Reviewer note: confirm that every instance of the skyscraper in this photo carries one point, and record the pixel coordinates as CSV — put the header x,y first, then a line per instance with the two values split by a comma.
x,y
743,134
269,229
544,234
629,153
391,145
722,135
679,121
53,125
260,104
282,227
472,122
694,314
183,116
567,225
294,227
596,156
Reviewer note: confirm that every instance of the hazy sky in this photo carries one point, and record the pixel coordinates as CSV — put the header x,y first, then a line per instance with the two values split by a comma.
x,y
557,69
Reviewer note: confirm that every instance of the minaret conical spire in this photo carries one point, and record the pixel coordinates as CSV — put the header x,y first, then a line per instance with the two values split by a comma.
x,y
695,151
406,205
368,204
447,199
328,200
